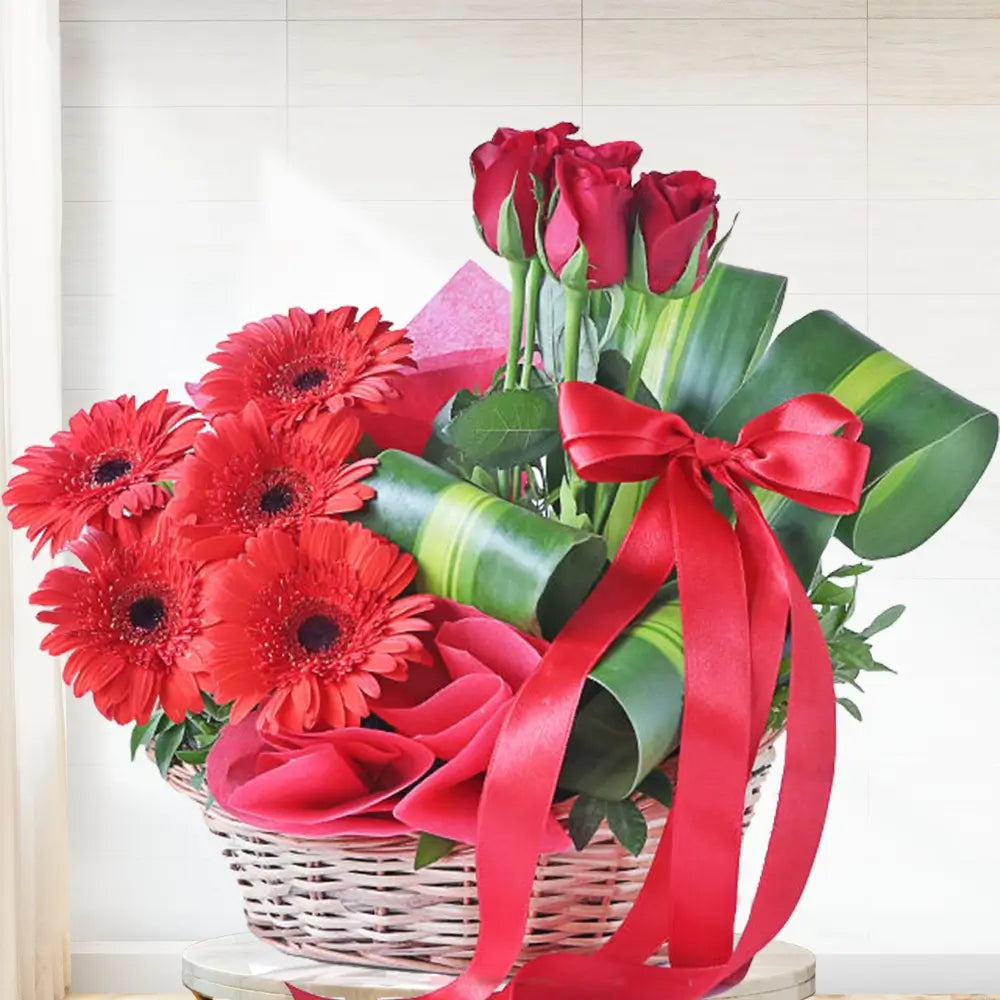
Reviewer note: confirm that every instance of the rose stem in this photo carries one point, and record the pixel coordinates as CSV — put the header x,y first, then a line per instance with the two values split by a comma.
x,y
536,274
575,301
646,319
518,276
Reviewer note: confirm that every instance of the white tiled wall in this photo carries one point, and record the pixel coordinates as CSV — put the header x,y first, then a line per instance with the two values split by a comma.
x,y
229,158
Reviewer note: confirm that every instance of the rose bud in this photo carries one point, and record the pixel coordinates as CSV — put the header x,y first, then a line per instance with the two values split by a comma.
x,y
586,237
676,221
506,170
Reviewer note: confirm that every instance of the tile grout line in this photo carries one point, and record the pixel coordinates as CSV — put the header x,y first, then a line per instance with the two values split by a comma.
x,y
868,203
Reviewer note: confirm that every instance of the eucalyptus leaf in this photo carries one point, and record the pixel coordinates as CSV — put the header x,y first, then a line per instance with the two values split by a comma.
x,y
850,707
856,569
138,739
628,825
882,621
166,746
585,819
656,785
431,848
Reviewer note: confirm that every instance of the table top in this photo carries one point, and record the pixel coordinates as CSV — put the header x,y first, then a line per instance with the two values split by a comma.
x,y
241,967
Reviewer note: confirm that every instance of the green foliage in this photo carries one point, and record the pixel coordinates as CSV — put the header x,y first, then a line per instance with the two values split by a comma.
x,y
850,651
552,335
585,818
186,742
431,848
628,825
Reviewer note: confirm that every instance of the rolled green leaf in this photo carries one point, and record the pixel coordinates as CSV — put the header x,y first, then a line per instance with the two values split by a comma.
x,y
929,446
630,716
473,547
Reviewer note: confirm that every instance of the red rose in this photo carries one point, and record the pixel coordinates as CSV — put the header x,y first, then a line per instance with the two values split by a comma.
x,y
455,708
332,783
673,213
609,154
506,165
586,237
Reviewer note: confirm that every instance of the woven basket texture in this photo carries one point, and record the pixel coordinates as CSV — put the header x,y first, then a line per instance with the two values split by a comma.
x,y
359,900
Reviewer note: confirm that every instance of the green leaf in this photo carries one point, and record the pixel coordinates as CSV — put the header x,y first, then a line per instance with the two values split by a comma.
x,y
192,756
166,746
484,480
703,347
551,335
929,446
856,569
585,819
628,825
475,548
851,708
656,785
569,512
431,848
631,714
139,739
197,780
884,620
612,373
506,429
831,593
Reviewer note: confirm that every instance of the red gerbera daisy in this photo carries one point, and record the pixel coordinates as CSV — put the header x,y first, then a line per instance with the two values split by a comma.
x,y
297,365
103,472
306,627
130,622
245,477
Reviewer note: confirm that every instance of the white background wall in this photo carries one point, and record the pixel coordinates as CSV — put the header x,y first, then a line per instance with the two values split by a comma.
x,y
225,159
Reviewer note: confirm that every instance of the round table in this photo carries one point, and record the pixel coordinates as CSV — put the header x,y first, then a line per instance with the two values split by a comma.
x,y
240,967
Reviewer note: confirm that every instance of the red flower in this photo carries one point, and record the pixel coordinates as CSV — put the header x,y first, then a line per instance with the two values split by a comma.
x,y
342,781
455,708
508,163
104,471
298,365
306,627
589,225
624,154
131,623
673,213
245,477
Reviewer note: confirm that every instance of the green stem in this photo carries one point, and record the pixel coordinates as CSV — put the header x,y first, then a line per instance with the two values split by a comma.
x,y
518,276
536,274
575,302
645,317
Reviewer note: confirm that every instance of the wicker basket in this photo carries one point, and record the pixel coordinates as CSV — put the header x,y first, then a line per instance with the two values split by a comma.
x,y
358,900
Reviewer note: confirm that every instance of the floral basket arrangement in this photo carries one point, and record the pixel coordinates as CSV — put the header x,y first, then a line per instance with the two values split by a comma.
x,y
474,640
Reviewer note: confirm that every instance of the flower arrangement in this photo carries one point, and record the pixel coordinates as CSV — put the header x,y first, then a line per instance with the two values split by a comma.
x,y
465,603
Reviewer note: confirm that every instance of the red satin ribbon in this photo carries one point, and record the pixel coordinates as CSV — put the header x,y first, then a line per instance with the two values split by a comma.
x,y
738,592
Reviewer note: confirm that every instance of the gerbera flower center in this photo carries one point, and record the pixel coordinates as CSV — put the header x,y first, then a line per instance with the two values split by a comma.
x,y
318,374
311,379
318,633
147,613
109,471
277,498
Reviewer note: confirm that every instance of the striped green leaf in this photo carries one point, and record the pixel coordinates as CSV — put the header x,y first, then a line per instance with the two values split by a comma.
x,y
473,547
929,445
629,718
702,350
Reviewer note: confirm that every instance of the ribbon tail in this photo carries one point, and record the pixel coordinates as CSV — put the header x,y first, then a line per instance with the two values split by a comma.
x,y
524,770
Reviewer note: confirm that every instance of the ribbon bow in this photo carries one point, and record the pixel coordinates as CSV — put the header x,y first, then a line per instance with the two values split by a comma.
x,y
738,592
